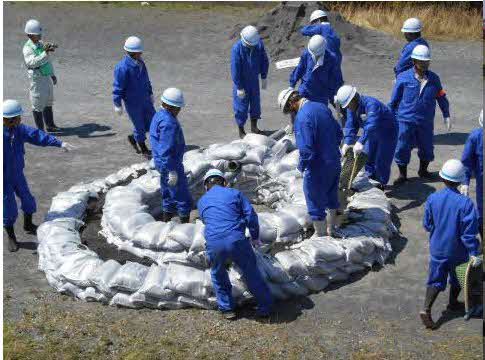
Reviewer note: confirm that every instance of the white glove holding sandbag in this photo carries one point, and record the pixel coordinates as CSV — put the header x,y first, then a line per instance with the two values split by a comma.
x,y
172,178
67,147
241,94
464,190
358,148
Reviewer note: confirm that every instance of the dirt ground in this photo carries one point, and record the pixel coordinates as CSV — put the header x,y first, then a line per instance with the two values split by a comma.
x,y
373,316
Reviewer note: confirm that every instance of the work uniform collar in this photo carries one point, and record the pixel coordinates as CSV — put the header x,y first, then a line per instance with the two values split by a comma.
x,y
455,190
317,61
302,102
132,62
31,43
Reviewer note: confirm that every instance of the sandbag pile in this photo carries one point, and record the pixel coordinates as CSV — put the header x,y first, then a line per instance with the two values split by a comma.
x,y
292,264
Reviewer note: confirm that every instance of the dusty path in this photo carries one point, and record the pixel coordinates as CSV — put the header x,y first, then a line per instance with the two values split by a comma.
x,y
374,316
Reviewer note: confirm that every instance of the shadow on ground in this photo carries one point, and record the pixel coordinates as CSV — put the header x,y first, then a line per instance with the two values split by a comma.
x,y
85,131
451,138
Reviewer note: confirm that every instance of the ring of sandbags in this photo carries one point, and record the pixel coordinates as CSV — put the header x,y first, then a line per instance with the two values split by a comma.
x,y
292,264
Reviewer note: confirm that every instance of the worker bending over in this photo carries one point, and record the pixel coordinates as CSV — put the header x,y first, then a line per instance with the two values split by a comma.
x,y
226,214
452,222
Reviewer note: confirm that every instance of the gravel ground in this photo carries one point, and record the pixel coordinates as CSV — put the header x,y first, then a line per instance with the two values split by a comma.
x,y
372,316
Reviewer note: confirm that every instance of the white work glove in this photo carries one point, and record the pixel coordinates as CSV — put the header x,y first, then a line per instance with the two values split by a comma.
x,y
464,189
172,178
475,261
119,110
448,123
152,99
358,148
264,83
67,147
344,149
240,93
256,243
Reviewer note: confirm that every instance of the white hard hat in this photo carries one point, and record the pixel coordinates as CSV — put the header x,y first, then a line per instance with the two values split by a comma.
x,y
173,97
32,27
133,44
412,25
213,172
317,45
317,14
480,119
453,170
283,97
345,95
421,52
11,108
250,35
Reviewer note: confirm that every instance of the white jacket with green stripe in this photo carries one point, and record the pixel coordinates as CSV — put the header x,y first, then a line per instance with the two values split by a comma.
x,y
33,61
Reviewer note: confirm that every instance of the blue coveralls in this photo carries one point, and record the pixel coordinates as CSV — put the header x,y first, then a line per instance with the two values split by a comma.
x,y
320,84
472,158
14,181
318,136
168,147
226,213
379,136
415,113
247,64
132,85
333,40
451,219
405,62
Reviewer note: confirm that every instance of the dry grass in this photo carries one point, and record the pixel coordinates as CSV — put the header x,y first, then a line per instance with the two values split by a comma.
x,y
442,21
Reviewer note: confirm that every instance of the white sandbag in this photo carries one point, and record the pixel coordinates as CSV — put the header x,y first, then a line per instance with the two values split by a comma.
x,y
273,270
183,234
153,285
290,161
227,152
198,242
252,169
286,224
148,235
78,268
90,295
352,268
338,276
129,277
293,288
322,248
103,274
188,281
135,222
254,155
141,300
362,244
291,263
198,170
277,291
314,283
267,229
124,300
372,198
70,289
68,205
258,140
197,303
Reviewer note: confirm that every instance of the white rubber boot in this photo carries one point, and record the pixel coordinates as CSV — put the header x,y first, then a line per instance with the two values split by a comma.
x,y
331,221
319,227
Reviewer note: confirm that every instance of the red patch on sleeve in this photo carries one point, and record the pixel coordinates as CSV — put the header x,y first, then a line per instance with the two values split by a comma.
x,y
441,93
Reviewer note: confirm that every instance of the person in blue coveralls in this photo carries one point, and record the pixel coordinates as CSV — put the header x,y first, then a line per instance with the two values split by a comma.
x,y
15,135
472,159
318,137
318,71
452,222
379,136
249,62
168,146
412,32
413,101
226,214
132,87
319,25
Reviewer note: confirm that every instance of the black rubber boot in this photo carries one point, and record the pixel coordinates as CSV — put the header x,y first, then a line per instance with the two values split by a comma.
x,y
49,119
29,226
184,219
166,216
453,304
13,245
144,150
131,140
431,295
242,132
38,119
423,170
254,126
403,175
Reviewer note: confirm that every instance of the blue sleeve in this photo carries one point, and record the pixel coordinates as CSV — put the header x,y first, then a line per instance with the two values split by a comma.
x,y
468,159
149,84
264,62
340,133
334,79
119,85
370,124
39,137
442,100
469,226
250,216
305,142
403,62
428,218
236,68
310,30
298,72
351,128
164,158
396,96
